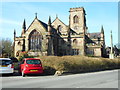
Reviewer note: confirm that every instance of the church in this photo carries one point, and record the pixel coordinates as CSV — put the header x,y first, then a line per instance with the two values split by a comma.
x,y
58,39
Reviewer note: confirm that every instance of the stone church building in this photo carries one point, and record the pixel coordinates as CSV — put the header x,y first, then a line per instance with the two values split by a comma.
x,y
59,39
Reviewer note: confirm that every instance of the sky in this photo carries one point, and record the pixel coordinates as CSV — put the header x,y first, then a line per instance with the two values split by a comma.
x,y
97,14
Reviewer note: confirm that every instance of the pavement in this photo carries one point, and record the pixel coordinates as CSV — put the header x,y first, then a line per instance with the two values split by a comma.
x,y
103,79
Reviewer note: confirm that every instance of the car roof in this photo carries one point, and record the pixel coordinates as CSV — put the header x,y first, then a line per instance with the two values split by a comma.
x,y
5,59
31,59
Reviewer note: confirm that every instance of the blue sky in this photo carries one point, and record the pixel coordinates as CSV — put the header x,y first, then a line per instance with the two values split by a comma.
x,y
98,13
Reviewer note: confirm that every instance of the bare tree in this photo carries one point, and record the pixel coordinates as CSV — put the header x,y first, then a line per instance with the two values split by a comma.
x,y
6,48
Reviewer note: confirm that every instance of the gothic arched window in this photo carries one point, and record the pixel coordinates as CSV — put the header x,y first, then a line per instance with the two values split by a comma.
x,y
35,41
59,28
75,19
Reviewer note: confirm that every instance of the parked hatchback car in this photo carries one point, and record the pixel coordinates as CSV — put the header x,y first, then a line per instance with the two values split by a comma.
x,y
6,66
31,66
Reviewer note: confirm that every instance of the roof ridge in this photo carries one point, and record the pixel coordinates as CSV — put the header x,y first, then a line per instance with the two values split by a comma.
x,y
60,21
95,32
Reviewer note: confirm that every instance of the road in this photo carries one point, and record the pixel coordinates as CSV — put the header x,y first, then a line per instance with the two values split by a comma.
x,y
103,79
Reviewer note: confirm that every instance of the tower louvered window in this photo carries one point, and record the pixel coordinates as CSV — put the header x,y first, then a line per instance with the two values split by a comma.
x,y
75,42
35,41
75,19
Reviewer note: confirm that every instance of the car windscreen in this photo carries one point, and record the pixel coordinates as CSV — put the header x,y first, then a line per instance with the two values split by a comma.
x,y
33,62
5,62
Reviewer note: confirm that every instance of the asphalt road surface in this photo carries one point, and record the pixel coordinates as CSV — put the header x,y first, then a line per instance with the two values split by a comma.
x,y
103,79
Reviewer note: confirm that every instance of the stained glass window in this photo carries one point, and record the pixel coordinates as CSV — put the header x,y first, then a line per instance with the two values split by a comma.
x,y
35,41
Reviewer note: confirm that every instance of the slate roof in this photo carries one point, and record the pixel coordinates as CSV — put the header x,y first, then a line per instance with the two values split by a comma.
x,y
44,24
94,35
59,20
72,31
88,40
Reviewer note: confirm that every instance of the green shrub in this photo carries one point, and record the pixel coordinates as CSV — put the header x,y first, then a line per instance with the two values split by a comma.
x,y
24,55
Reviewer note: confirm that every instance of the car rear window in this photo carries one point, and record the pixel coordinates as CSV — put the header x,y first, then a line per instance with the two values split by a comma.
x,y
33,62
5,62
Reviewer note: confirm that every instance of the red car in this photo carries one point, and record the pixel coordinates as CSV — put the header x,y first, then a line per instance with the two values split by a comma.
x,y
31,66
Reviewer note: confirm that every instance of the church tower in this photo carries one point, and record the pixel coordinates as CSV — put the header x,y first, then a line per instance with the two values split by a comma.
x,y
77,20
77,23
